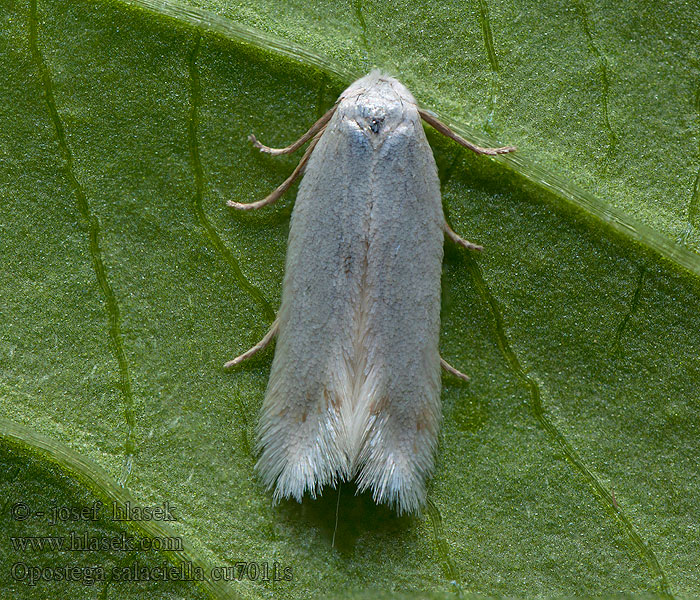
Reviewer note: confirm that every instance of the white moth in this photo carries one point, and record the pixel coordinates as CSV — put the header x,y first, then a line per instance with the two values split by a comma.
x,y
354,391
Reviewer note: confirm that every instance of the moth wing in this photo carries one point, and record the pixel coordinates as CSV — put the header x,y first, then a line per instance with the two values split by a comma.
x,y
401,419
302,434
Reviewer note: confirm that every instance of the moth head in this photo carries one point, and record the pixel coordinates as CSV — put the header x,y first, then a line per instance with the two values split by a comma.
x,y
377,104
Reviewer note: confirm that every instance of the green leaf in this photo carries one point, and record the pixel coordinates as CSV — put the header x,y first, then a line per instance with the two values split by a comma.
x,y
568,466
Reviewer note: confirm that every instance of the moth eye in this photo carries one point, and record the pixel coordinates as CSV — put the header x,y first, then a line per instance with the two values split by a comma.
x,y
374,125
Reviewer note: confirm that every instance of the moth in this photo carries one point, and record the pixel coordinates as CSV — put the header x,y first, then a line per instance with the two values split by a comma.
x,y
354,390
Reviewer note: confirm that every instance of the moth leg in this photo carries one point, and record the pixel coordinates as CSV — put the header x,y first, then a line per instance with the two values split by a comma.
x,y
259,346
460,240
450,369
446,131
277,194
315,128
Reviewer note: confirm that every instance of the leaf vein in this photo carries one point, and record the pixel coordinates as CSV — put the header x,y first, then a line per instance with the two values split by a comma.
x,y
605,496
93,230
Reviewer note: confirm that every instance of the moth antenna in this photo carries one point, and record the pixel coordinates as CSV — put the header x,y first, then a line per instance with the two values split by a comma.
x,y
313,130
446,131
279,192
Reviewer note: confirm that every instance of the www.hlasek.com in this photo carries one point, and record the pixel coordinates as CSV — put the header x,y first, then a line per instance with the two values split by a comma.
x,y
76,542
89,575
33,574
